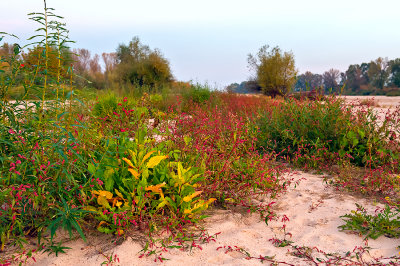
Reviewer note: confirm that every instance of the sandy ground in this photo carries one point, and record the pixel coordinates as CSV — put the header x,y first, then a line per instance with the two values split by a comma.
x,y
383,101
312,207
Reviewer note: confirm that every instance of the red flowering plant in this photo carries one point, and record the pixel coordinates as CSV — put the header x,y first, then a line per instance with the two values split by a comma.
x,y
221,141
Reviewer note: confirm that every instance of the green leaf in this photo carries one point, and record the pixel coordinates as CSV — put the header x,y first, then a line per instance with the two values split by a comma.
x,y
108,177
109,183
91,168
355,142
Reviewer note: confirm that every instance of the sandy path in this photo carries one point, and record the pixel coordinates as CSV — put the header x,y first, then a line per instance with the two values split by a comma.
x,y
313,210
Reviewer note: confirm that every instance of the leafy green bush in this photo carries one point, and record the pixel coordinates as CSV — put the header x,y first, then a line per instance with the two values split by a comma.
x,y
197,93
142,183
295,126
106,105
311,132
386,222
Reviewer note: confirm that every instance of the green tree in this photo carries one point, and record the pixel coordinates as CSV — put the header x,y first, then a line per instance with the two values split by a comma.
x,y
395,72
379,72
138,64
275,70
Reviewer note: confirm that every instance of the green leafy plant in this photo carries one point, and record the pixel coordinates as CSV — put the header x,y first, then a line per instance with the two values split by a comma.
x,y
55,248
67,217
144,183
385,222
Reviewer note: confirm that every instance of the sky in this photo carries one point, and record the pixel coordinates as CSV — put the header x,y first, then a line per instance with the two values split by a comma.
x,y
209,40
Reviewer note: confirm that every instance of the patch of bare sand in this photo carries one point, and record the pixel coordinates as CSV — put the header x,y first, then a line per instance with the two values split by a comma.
x,y
382,101
312,207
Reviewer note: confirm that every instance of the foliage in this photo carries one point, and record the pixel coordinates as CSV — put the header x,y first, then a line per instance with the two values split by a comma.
x,y
87,69
378,72
220,140
395,72
138,64
154,163
142,183
312,131
106,105
385,222
275,71
197,93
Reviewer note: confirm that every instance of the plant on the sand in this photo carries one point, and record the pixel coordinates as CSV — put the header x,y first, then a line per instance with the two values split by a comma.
x,y
42,154
138,181
385,222
58,248
67,217
110,260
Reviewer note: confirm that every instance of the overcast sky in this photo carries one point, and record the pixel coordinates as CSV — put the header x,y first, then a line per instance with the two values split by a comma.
x,y
209,40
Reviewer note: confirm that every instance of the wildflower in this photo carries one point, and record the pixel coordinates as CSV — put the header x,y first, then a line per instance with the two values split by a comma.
x,y
285,218
22,65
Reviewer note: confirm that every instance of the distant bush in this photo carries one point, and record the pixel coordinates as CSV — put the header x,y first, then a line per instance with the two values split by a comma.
x,y
197,93
138,64
393,93
106,105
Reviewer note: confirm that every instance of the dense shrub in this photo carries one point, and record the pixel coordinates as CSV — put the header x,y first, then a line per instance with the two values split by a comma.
x,y
327,130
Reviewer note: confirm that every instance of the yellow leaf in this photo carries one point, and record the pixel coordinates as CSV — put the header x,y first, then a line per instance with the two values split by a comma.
x,y
210,201
162,204
189,198
133,154
119,203
147,156
101,223
134,173
119,194
103,193
156,188
90,208
154,161
186,211
128,162
103,202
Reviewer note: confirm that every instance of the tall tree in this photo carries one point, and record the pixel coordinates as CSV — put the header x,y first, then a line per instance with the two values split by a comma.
x,y
395,72
308,81
331,80
110,61
88,69
379,72
354,78
275,70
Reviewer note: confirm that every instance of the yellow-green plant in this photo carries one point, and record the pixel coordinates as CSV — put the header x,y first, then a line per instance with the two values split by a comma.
x,y
143,183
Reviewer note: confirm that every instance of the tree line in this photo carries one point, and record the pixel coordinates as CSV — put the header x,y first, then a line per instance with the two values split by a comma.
x,y
378,77
132,64
274,73
135,65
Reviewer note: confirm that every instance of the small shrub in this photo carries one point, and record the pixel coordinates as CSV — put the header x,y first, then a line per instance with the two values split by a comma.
x,y
386,222
197,93
106,105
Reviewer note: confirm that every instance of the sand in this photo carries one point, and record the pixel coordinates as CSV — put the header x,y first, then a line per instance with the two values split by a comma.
x,y
383,101
313,210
